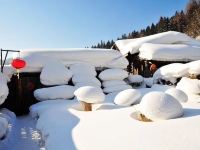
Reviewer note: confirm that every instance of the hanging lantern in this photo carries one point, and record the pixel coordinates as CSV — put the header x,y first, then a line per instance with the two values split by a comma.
x,y
18,64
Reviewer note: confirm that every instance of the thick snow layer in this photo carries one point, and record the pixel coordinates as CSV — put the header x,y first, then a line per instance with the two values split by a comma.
x,y
36,58
194,67
177,94
113,83
116,88
3,92
56,92
113,74
90,94
169,52
55,73
83,68
170,37
64,128
3,126
135,78
171,72
160,106
84,78
127,97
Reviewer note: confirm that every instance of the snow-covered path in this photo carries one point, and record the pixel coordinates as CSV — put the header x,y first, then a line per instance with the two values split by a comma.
x,y
23,136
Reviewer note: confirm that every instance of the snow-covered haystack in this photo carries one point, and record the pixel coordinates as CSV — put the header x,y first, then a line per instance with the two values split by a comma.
x,y
191,87
56,92
37,58
169,52
113,80
127,97
135,80
170,37
177,94
160,106
89,95
55,73
84,75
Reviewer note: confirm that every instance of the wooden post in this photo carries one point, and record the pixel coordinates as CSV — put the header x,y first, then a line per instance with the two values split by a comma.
x,y
86,106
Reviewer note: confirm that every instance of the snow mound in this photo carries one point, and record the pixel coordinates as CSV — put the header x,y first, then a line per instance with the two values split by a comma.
x,y
135,78
170,37
3,92
83,68
90,94
194,67
160,106
116,88
113,83
189,86
55,73
113,74
56,92
3,127
169,52
178,95
127,97
8,115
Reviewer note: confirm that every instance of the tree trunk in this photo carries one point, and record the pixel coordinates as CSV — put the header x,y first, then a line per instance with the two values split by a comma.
x,y
86,106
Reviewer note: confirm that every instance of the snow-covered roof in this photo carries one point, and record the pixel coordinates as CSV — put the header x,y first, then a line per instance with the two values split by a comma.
x,y
169,52
170,37
37,58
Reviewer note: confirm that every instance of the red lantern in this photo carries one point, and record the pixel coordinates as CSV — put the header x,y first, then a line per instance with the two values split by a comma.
x,y
18,63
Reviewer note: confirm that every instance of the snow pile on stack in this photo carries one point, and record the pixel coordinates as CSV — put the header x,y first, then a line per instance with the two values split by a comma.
x,y
56,92
84,75
55,73
3,88
113,80
177,94
135,80
169,52
160,106
37,58
127,97
170,37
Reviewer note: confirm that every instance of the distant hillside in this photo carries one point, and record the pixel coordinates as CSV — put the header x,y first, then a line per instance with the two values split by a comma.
x,y
187,21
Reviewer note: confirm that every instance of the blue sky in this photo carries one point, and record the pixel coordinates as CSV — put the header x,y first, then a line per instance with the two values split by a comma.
x,y
76,23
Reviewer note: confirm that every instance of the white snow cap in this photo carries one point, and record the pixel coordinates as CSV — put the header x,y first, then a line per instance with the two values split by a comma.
x,y
83,68
90,94
189,86
56,92
178,95
135,78
3,92
3,126
113,74
160,106
133,45
127,97
169,52
116,88
55,73
113,83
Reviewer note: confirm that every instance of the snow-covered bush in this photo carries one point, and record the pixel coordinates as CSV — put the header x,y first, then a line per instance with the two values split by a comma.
x,y
177,94
127,97
160,106
56,92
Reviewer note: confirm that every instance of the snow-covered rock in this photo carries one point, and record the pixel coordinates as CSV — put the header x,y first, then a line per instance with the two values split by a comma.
x,y
170,37
56,92
113,74
127,97
160,106
116,88
177,94
113,83
90,94
3,126
169,52
55,73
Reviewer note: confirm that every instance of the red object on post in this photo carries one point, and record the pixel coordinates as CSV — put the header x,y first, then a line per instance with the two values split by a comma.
x,y
18,63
